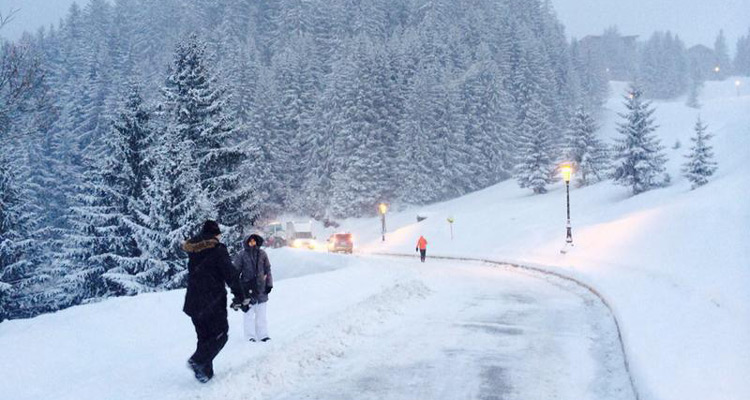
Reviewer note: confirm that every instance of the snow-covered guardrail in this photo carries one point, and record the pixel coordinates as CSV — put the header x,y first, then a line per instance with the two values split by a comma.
x,y
555,274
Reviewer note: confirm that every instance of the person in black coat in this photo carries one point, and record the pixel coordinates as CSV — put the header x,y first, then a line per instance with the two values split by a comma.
x,y
209,269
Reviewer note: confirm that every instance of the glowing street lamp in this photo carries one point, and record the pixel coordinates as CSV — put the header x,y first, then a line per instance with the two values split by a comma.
x,y
717,69
567,171
737,84
383,208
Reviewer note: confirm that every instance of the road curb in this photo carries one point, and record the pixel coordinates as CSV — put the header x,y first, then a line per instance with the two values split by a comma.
x,y
555,274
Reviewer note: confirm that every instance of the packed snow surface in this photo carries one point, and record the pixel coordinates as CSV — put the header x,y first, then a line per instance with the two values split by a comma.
x,y
379,328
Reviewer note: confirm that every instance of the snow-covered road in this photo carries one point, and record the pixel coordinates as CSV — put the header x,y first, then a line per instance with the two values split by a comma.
x,y
377,328
481,333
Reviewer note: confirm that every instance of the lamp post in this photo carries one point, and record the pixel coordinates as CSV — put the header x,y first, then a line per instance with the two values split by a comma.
x,y
567,171
383,209
450,221
737,84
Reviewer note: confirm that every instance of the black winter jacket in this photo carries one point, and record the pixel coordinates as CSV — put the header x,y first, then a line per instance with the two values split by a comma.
x,y
209,269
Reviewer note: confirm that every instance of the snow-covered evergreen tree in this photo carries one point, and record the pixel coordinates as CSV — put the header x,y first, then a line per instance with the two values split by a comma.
x,y
664,67
536,165
593,79
264,130
534,143
101,244
638,154
174,206
692,100
700,165
420,183
742,56
197,112
488,110
11,237
588,153
123,174
721,54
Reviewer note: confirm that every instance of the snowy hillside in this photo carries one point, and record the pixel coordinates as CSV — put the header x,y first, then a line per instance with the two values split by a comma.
x,y
674,263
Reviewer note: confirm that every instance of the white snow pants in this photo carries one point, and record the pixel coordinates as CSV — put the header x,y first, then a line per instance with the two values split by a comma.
x,y
256,326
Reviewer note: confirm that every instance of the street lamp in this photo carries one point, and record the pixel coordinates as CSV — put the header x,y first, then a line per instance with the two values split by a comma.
x,y
567,171
737,84
383,209
450,221
717,69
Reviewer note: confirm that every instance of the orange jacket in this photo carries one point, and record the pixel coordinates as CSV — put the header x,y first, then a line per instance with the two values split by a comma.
x,y
422,243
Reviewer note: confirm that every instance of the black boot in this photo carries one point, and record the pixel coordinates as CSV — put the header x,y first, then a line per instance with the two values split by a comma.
x,y
202,373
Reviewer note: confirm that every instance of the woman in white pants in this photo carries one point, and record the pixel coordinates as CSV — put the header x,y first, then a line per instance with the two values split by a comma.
x,y
255,275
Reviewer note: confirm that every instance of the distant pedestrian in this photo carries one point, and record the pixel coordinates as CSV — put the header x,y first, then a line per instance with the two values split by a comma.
x,y
255,276
422,248
209,269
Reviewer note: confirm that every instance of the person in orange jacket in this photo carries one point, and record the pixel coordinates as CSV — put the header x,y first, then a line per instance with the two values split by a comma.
x,y
422,248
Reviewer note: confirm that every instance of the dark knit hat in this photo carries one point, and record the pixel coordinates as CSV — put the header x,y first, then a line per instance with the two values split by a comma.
x,y
211,227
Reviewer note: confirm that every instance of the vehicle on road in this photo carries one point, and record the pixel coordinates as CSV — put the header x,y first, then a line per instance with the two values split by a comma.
x,y
299,235
341,243
275,235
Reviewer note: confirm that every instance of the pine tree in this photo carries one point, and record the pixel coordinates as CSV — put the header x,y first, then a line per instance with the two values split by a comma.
x,y
695,88
123,175
487,108
275,148
197,108
174,206
535,162
100,241
589,155
638,154
593,79
11,237
420,183
742,56
664,68
721,52
700,165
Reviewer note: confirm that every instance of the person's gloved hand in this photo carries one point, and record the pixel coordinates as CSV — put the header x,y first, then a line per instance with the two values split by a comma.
x,y
268,289
417,249
243,305
236,303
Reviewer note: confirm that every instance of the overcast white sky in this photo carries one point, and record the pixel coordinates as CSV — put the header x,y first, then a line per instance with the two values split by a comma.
x,y
33,14
696,21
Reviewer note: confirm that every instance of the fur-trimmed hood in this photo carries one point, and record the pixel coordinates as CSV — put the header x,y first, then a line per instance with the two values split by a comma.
x,y
199,244
258,241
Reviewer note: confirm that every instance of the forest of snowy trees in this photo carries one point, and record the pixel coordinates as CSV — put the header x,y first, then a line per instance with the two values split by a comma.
x,y
142,118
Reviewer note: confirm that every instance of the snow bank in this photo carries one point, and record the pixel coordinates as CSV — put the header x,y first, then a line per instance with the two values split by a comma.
x,y
136,347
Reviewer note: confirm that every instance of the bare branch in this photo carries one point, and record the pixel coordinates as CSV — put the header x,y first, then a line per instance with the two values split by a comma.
x,y
5,19
20,77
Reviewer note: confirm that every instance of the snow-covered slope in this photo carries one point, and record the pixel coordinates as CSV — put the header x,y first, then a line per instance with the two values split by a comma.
x,y
674,263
